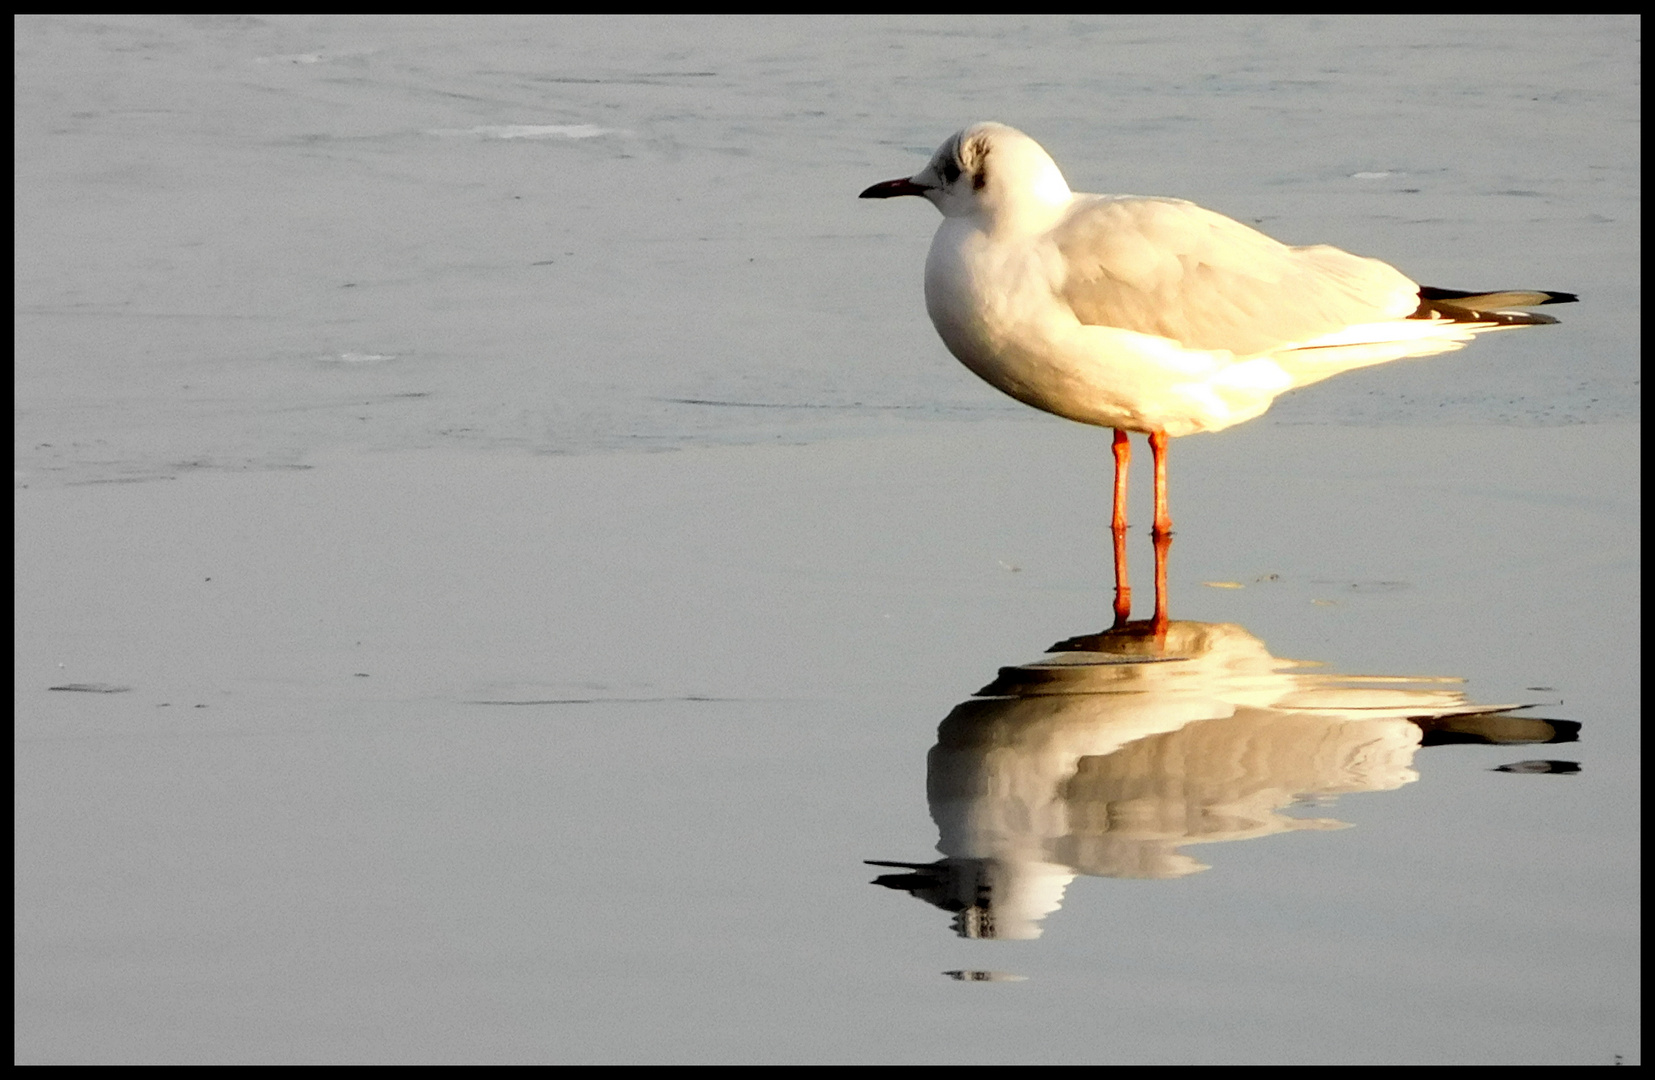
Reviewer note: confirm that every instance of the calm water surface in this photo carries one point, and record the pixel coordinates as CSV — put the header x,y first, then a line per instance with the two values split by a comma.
x,y
378,701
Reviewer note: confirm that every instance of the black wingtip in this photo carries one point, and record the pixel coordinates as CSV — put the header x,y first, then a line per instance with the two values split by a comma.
x,y
1460,305
1529,297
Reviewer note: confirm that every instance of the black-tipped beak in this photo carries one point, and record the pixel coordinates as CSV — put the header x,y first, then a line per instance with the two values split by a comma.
x,y
890,189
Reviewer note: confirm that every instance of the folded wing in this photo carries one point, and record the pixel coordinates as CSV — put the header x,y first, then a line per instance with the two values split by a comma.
x,y
1169,268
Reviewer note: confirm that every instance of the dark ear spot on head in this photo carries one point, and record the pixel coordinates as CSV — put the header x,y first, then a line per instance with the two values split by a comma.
x,y
979,169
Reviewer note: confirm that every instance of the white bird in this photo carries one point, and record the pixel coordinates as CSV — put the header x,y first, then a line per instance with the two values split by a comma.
x,y
1153,314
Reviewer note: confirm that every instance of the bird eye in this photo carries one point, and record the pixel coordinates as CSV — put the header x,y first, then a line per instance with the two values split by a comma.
x,y
950,171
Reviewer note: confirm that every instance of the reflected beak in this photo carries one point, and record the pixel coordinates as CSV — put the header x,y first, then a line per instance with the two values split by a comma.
x,y
890,189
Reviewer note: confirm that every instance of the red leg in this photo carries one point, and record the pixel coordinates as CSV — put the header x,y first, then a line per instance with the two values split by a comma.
x,y
1163,520
1123,458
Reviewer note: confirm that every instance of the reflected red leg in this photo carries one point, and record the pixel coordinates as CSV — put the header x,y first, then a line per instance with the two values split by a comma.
x,y
1163,544
1123,588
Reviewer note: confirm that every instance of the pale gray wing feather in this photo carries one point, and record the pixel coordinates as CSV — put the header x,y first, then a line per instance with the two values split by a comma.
x,y
1170,268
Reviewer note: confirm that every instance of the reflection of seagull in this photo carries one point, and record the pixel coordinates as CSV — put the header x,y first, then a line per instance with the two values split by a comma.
x,y
1113,753
1152,314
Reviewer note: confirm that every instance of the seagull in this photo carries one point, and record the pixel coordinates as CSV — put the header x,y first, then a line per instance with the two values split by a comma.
x,y
1152,314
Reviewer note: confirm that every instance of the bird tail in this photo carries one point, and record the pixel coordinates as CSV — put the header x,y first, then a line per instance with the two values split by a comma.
x,y
1489,308
1445,320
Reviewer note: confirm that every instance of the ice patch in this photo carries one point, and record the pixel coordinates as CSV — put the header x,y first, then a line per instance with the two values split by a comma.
x,y
314,57
532,131
358,358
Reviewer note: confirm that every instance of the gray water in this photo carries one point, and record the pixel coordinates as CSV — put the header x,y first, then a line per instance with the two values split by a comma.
x,y
378,701
318,232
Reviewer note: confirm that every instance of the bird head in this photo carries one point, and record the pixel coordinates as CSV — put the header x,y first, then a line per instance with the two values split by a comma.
x,y
990,171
